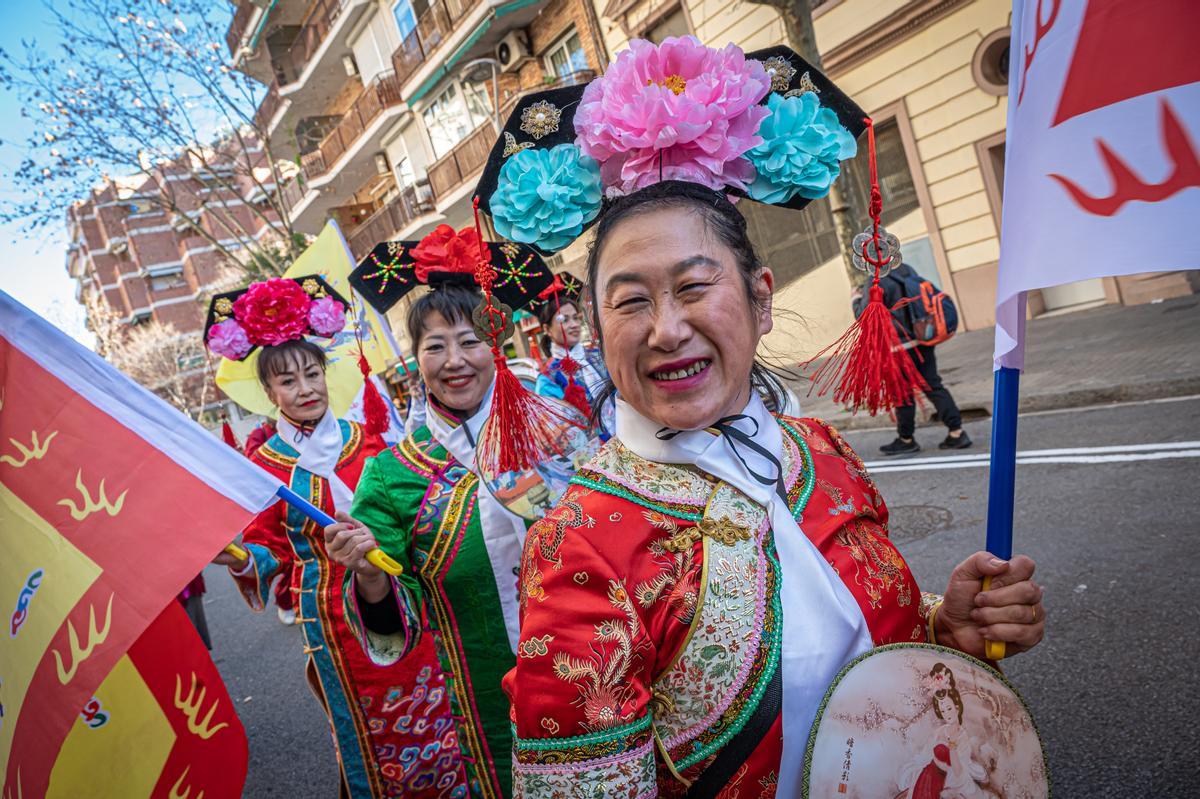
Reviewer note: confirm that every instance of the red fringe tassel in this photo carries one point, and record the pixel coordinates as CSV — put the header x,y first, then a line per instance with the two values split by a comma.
x,y
230,438
524,428
575,394
375,410
867,368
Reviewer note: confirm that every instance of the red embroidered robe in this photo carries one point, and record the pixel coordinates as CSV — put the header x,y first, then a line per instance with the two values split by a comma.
x,y
651,619
392,728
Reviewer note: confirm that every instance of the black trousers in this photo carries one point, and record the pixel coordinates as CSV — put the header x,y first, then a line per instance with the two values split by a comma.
x,y
906,415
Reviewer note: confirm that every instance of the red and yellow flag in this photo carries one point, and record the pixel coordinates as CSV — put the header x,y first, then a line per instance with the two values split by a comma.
x,y
161,724
110,502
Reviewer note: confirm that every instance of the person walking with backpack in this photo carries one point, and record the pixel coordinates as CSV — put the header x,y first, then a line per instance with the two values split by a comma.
x,y
924,317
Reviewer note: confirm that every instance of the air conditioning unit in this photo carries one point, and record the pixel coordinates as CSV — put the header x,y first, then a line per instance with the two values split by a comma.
x,y
513,51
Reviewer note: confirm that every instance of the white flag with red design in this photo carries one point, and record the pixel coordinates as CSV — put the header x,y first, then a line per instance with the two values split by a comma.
x,y
1102,168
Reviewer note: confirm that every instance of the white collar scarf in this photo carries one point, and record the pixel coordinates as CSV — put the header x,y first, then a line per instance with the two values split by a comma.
x,y
589,377
823,627
503,532
319,453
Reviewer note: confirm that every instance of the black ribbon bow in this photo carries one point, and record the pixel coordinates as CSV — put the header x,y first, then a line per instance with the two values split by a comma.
x,y
726,426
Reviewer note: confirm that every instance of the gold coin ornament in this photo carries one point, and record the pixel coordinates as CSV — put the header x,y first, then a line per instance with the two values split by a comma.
x,y
531,493
921,722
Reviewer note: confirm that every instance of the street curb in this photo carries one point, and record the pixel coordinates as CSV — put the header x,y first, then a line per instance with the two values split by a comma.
x,y
1048,401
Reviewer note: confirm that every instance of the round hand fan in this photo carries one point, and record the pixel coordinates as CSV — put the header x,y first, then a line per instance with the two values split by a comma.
x,y
916,721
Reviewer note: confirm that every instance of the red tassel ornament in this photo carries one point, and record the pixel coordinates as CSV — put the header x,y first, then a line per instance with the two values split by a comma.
x,y
227,434
524,428
867,367
375,410
574,394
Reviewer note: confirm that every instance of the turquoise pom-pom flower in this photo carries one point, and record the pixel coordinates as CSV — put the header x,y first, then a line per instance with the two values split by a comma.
x,y
802,150
544,197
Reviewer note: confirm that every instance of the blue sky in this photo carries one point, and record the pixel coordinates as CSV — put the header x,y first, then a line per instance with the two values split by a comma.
x,y
32,267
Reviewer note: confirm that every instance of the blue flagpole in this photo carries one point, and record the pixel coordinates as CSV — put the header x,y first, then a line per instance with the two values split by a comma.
x,y
376,556
304,506
1002,476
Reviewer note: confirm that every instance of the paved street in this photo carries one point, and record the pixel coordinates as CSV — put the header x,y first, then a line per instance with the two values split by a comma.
x,y
1113,688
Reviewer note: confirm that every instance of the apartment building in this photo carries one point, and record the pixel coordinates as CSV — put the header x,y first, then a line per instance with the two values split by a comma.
x,y
933,74
390,107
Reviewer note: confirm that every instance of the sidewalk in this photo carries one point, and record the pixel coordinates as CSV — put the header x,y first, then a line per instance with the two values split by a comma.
x,y
1113,353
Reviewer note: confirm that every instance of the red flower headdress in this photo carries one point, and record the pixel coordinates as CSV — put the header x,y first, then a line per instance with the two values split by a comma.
x,y
279,310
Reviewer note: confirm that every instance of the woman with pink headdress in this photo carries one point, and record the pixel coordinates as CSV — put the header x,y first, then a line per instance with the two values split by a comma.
x,y
695,592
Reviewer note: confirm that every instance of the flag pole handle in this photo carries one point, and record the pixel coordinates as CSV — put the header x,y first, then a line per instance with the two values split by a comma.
x,y
1002,476
376,557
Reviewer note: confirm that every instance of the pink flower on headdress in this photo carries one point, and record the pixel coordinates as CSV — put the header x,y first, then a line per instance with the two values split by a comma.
x,y
228,340
327,316
273,311
680,110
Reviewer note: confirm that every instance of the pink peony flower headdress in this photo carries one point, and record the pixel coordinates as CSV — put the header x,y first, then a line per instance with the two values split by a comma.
x,y
763,125
270,312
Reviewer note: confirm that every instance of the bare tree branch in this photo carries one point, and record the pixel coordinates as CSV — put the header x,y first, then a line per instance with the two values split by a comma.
x,y
144,88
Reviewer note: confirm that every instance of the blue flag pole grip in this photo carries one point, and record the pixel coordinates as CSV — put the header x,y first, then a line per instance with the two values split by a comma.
x,y
1002,476
376,557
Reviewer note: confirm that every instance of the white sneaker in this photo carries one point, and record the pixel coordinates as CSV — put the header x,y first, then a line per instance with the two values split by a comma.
x,y
287,616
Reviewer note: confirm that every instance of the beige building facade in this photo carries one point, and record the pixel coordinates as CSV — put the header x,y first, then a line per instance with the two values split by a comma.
x,y
389,108
933,76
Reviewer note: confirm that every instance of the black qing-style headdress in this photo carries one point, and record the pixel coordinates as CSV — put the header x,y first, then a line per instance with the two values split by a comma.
x,y
448,257
282,309
763,125
511,276
565,288
271,312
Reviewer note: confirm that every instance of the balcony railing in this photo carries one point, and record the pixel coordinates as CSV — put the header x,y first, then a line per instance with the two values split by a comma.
x,y
315,29
237,28
268,107
551,82
463,162
292,192
433,26
382,94
396,215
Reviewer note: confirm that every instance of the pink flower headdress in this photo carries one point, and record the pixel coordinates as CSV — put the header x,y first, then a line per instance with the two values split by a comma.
x,y
271,312
764,125
675,111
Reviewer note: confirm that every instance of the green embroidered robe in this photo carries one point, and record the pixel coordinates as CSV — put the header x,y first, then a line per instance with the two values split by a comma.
x,y
421,504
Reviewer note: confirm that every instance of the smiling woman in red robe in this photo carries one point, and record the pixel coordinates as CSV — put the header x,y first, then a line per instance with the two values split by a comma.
x,y
392,731
709,573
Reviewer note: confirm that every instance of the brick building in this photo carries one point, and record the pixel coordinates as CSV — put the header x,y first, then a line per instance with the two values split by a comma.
x,y
152,247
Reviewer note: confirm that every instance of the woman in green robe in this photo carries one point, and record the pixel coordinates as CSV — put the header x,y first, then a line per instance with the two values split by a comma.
x,y
421,502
